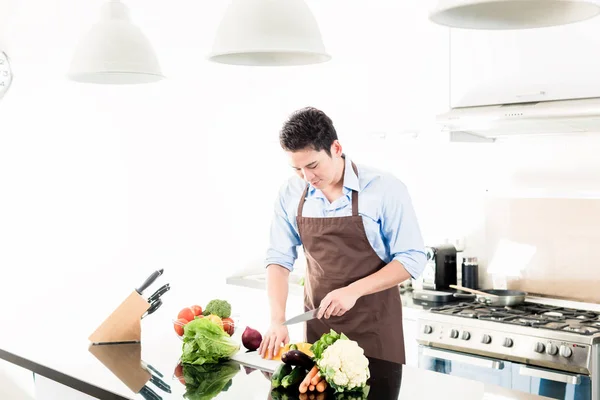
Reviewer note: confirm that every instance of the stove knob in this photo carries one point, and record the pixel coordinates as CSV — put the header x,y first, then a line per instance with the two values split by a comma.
x,y
453,333
427,329
552,349
539,347
466,335
508,342
565,351
486,339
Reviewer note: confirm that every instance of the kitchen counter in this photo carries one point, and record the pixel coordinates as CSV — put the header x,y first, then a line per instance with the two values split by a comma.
x,y
111,371
55,347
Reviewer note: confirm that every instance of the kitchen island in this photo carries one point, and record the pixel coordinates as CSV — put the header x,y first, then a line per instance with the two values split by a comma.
x,y
118,371
66,366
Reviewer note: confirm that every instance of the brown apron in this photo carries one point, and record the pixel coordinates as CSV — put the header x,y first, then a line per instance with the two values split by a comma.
x,y
338,253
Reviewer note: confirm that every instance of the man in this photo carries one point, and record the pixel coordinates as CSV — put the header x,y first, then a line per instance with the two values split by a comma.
x,y
360,236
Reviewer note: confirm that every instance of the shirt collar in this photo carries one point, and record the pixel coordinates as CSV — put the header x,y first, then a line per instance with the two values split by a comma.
x,y
350,178
351,181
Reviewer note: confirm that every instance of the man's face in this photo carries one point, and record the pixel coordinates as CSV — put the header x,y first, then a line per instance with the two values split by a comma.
x,y
315,167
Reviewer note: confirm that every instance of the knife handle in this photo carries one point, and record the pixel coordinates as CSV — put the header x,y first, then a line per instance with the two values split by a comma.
x,y
162,290
159,383
149,281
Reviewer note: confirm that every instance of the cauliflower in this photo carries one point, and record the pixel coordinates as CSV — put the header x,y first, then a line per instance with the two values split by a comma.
x,y
345,366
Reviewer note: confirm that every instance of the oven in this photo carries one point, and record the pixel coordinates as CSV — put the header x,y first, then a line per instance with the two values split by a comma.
x,y
507,374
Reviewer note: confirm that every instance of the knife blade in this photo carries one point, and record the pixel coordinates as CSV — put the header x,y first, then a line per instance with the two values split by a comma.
x,y
162,290
307,316
149,281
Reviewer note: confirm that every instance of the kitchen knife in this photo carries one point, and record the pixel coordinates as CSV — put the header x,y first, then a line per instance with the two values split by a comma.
x,y
307,316
149,281
153,307
151,368
149,394
159,383
156,295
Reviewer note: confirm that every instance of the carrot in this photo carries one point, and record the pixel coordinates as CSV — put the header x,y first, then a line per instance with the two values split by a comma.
x,y
320,396
306,382
311,396
316,379
322,386
303,396
311,388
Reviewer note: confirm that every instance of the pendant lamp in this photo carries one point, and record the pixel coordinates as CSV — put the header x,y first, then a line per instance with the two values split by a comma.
x,y
512,14
115,51
268,33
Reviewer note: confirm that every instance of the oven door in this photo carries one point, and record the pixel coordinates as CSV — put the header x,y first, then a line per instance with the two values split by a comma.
x,y
476,368
551,383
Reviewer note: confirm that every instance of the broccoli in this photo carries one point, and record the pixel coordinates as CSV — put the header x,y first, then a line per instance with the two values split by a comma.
x,y
217,307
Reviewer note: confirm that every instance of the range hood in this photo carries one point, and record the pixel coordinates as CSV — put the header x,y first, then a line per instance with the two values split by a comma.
x,y
486,123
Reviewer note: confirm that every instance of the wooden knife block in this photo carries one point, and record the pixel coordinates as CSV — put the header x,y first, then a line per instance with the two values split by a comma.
x,y
125,361
124,324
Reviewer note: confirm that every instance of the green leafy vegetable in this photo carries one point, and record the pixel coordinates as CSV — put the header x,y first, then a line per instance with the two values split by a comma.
x,y
204,382
205,342
218,307
324,342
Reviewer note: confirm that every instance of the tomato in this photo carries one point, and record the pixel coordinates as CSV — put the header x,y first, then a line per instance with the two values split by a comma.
x,y
179,328
197,310
228,326
186,314
178,370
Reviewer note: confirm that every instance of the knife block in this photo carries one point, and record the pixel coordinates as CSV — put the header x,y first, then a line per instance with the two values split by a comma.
x,y
124,324
125,362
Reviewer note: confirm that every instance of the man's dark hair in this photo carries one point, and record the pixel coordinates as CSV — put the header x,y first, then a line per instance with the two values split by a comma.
x,y
308,128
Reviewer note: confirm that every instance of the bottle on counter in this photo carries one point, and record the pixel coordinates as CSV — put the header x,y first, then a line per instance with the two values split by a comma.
x,y
470,273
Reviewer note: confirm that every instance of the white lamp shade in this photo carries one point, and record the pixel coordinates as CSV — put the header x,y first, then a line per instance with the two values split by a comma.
x,y
268,33
115,51
512,14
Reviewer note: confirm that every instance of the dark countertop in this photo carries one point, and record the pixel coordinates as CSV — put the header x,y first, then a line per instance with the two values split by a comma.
x,y
56,347
106,371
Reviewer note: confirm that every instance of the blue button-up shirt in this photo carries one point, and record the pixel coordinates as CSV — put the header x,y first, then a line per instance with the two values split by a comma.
x,y
384,205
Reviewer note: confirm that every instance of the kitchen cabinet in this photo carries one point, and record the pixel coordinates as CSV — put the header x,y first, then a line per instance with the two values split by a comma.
x,y
499,67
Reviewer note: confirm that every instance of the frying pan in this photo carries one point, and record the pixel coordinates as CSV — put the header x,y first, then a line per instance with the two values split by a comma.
x,y
492,297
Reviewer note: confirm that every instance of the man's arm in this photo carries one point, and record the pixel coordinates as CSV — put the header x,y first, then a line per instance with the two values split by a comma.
x,y
280,260
277,290
389,276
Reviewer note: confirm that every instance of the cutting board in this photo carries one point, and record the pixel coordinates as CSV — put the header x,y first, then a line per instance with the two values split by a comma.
x,y
254,360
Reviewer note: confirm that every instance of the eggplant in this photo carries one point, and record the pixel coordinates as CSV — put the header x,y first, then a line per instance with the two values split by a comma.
x,y
298,359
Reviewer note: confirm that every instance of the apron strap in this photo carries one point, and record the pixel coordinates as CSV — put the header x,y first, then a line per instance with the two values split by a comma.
x,y
354,197
302,200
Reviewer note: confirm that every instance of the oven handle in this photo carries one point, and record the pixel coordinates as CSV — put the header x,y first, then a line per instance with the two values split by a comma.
x,y
476,361
551,376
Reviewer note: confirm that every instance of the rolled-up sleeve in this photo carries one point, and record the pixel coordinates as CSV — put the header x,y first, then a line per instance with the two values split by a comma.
x,y
284,239
401,230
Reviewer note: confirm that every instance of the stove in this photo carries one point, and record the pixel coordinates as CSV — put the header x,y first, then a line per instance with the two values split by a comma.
x,y
555,342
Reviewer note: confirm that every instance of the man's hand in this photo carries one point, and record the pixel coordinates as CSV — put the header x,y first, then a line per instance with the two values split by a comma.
x,y
275,336
338,302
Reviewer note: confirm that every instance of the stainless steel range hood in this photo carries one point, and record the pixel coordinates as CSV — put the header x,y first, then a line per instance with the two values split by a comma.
x,y
536,118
